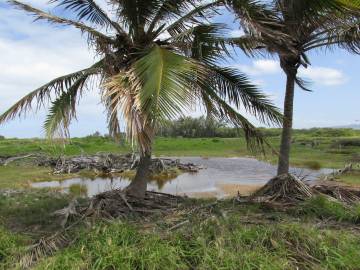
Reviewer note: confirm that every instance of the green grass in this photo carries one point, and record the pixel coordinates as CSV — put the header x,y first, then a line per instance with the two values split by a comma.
x,y
31,209
350,178
222,239
325,208
20,176
77,190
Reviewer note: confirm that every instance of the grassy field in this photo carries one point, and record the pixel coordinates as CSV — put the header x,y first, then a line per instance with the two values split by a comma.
x,y
226,236
316,234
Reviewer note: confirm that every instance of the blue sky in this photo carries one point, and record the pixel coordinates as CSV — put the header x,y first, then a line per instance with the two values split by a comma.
x,y
33,53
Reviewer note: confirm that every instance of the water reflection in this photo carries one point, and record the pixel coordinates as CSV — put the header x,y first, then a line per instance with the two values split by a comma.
x,y
221,177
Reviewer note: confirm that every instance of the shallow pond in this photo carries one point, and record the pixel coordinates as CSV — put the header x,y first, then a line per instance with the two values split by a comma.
x,y
221,177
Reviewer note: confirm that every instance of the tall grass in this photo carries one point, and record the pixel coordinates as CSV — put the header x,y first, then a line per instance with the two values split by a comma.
x,y
212,244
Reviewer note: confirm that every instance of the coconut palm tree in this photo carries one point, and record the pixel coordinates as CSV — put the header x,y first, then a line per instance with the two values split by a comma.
x,y
157,59
291,29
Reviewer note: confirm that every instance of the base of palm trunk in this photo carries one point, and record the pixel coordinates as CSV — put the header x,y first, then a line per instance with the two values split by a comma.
x,y
285,187
137,188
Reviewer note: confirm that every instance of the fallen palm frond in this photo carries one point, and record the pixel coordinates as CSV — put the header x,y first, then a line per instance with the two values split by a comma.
x,y
342,194
44,247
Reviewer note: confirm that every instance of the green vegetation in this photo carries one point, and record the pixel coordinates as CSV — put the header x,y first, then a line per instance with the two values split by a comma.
x,y
77,190
224,236
350,178
323,208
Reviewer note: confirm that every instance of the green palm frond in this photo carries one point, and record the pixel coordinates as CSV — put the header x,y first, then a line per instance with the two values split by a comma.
x,y
220,109
43,94
63,110
345,35
185,21
163,83
87,10
135,15
203,42
250,45
170,10
209,43
235,88
93,35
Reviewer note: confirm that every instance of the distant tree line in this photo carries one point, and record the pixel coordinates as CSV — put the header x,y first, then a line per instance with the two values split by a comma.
x,y
201,127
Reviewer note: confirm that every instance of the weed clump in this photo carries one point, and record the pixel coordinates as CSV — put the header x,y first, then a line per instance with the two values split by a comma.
x,y
324,207
78,190
313,165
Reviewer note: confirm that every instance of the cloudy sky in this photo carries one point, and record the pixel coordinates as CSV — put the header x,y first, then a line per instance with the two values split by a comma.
x,y
31,54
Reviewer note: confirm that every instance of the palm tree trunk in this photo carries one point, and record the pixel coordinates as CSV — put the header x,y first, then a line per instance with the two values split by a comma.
x,y
138,186
284,158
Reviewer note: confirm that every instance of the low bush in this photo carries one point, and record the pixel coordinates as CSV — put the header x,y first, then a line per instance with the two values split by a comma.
x,y
313,165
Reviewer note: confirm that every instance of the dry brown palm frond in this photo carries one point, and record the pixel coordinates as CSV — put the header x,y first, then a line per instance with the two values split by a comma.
x,y
121,93
343,194
284,188
44,247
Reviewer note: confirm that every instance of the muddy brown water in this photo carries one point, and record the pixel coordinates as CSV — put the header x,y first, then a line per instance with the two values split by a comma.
x,y
221,177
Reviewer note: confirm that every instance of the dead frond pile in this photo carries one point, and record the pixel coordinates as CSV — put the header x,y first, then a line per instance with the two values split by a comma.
x,y
342,194
283,188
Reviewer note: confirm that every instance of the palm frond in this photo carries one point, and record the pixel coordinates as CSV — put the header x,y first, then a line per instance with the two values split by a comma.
x,y
345,35
93,35
62,110
235,88
194,16
169,10
120,94
88,10
112,117
218,108
43,94
204,42
163,77
251,46
135,15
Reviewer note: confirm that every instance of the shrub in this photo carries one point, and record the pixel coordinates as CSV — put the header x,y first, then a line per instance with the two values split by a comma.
x,y
313,165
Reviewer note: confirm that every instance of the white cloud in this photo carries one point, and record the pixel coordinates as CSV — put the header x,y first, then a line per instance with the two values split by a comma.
x,y
32,54
261,67
323,75
320,75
